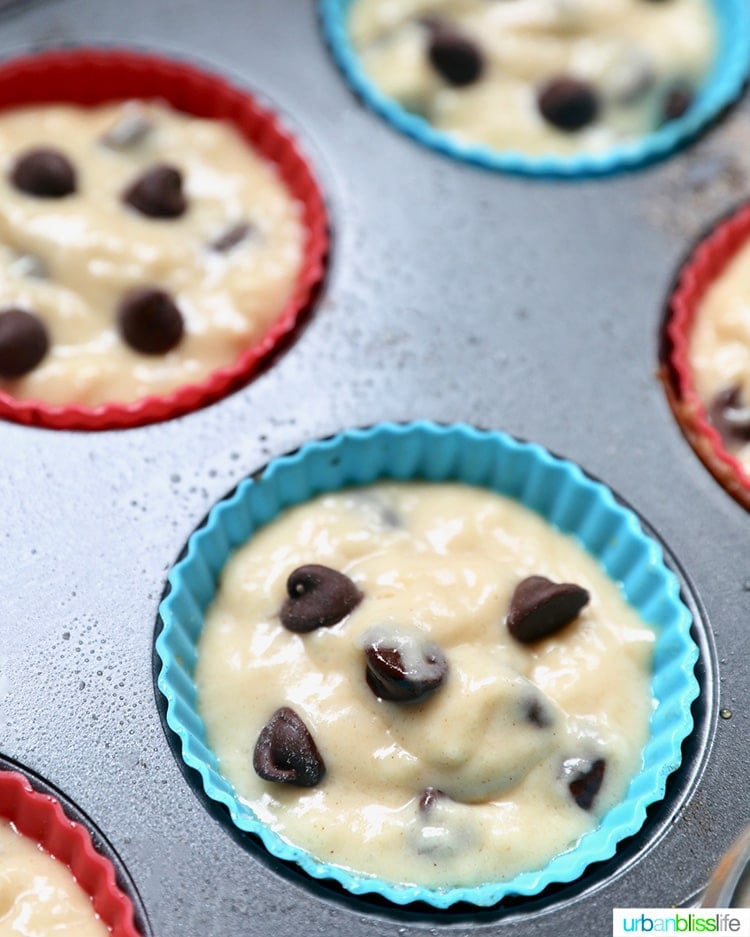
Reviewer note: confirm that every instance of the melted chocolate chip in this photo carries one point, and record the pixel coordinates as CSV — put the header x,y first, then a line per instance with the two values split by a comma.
x,y
568,103
455,58
157,193
540,607
730,416
585,780
429,798
23,342
391,678
44,173
232,237
318,598
537,714
678,101
149,321
286,751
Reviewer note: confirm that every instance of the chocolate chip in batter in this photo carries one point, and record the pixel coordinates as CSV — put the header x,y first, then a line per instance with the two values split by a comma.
x,y
584,780
730,416
403,670
286,751
233,236
157,193
129,131
540,607
678,102
457,59
568,103
149,320
44,173
23,342
318,598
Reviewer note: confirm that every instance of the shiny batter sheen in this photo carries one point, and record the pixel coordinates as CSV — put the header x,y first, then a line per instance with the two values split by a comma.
x,y
38,895
719,351
630,51
441,561
70,260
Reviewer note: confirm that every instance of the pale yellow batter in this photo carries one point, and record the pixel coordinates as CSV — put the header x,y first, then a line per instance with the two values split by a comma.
x,y
70,260
633,55
436,563
719,351
38,895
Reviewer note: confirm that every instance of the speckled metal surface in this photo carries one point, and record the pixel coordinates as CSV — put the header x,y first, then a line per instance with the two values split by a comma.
x,y
454,294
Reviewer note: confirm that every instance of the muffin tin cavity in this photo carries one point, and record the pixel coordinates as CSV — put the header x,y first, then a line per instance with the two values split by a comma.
x,y
196,238
705,353
565,102
47,818
555,489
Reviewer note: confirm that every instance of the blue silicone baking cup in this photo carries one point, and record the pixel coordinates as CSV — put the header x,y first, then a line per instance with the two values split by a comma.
x,y
557,490
722,87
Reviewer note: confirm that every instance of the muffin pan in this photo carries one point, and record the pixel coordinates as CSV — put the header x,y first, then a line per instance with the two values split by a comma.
x,y
527,306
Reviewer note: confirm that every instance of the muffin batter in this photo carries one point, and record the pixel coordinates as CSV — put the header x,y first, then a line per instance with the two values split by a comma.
x,y
141,249
538,76
388,682
719,355
38,895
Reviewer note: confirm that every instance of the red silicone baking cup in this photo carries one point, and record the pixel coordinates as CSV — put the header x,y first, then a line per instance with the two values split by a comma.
x,y
41,818
89,77
705,265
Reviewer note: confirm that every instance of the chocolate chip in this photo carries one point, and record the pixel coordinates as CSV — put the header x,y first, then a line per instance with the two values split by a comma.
x,y
678,101
568,103
585,780
730,416
149,321
318,598
129,131
157,193
455,58
540,607
44,173
401,670
286,751
23,342
429,798
232,237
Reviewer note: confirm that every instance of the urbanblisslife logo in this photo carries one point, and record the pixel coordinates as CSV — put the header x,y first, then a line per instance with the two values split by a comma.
x,y
731,922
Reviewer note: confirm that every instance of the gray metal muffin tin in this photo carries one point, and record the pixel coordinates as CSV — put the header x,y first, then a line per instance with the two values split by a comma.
x,y
454,294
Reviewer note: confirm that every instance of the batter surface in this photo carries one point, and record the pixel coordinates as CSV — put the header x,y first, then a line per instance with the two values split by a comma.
x,y
538,76
719,355
162,202
38,895
498,750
